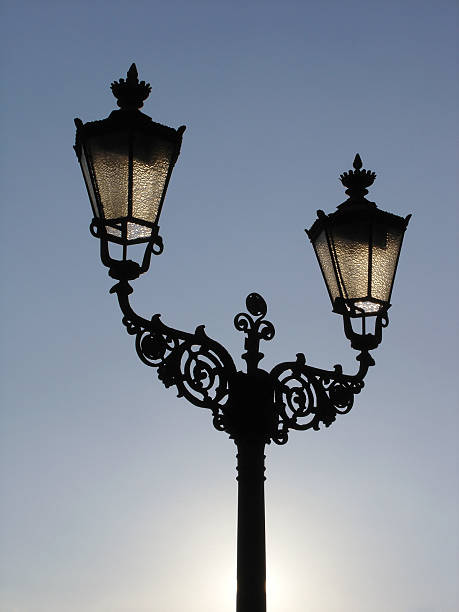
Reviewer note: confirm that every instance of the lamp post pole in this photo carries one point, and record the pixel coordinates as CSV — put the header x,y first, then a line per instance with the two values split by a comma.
x,y
127,161
251,547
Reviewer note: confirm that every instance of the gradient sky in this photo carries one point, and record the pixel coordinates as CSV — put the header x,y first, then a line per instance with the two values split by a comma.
x,y
116,495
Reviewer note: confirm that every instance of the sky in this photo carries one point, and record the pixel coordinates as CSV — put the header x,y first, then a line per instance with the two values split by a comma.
x,y
117,496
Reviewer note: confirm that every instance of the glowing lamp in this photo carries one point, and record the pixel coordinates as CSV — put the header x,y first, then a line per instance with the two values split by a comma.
x,y
127,161
358,247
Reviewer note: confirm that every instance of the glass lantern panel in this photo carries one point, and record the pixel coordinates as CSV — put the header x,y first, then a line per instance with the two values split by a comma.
x,y
350,243
88,181
135,231
386,247
115,231
151,161
367,307
323,255
110,160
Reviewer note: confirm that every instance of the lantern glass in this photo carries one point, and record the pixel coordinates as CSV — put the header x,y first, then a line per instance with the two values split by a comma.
x,y
327,264
127,160
126,163
358,254
89,183
150,168
109,157
358,247
387,243
351,253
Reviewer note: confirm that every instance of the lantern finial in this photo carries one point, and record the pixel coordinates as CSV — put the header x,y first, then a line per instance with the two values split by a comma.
x,y
357,180
357,159
129,93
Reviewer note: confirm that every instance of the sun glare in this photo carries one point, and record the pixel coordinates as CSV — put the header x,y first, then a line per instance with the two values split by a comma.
x,y
276,589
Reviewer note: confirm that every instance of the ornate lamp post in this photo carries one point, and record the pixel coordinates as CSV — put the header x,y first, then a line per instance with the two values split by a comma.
x,y
127,161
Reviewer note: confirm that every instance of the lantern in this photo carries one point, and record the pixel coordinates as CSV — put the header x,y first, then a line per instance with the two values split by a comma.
x,y
358,247
127,160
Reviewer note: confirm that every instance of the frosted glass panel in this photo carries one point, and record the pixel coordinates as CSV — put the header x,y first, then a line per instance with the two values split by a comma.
x,y
368,307
88,181
354,237
114,231
386,248
135,231
150,169
110,158
351,251
323,255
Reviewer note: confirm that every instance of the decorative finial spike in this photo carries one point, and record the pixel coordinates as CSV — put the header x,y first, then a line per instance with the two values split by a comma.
x,y
357,162
132,74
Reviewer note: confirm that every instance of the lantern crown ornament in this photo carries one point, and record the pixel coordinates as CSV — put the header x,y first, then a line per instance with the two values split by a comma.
x,y
130,93
127,161
357,180
358,248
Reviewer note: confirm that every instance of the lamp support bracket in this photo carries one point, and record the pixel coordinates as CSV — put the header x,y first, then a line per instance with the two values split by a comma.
x,y
256,404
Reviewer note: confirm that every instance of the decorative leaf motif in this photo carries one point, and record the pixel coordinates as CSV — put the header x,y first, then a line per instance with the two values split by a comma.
x,y
306,396
256,329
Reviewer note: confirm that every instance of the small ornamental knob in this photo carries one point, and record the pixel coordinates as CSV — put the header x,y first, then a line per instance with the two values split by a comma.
x,y
256,305
129,93
357,180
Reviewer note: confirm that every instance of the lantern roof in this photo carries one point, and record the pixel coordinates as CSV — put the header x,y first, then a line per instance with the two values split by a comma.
x,y
119,119
130,95
356,206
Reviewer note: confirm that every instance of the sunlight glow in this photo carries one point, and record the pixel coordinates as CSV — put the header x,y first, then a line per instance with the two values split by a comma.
x,y
277,587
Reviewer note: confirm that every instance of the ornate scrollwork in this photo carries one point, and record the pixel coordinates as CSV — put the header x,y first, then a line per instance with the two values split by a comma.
x,y
293,395
199,367
306,396
255,327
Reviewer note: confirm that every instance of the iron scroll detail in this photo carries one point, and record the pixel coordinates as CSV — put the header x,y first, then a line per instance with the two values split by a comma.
x,y
256,403
306,396
256,328
198,366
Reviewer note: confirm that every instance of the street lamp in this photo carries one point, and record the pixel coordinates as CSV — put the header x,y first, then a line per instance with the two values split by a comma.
x,y
127,161
358,247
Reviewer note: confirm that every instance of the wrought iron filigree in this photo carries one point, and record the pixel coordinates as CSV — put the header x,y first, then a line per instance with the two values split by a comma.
x,y
306,396
256,329
198,366
255,403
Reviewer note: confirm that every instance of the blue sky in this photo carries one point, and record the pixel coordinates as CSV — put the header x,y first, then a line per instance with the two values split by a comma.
x,y
120,497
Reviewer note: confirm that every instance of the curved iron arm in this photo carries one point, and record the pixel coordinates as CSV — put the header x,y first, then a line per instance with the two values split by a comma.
x,y
197,365
293,395
306,396
260,404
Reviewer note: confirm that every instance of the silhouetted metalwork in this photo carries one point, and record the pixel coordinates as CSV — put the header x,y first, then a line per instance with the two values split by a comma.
x,y
357,247
127,161
295,395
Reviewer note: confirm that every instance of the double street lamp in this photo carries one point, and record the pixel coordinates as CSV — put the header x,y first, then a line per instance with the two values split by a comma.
x,y
127,161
